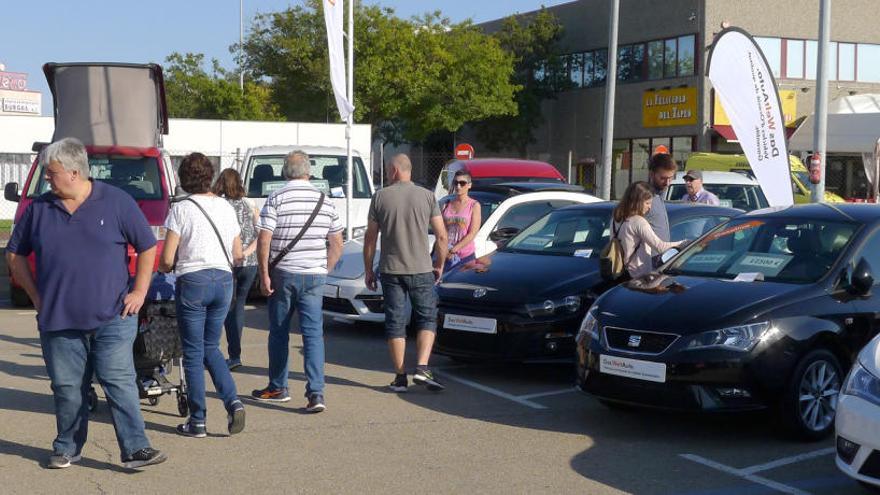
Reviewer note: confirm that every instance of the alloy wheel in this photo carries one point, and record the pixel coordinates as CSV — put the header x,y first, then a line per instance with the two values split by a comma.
x,y
817,395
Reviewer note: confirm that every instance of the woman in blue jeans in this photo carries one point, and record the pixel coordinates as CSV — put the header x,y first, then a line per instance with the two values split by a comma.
x,y
230,187
203,235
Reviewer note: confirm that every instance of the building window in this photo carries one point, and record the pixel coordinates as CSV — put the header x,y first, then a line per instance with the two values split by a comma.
x,y
670,58
868,63
772,48
846,65
600,66
686,55
630,63
794,59
655,59
811,58
576,69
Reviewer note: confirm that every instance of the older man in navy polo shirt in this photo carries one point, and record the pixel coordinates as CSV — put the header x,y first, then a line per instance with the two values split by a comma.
x,y
86,315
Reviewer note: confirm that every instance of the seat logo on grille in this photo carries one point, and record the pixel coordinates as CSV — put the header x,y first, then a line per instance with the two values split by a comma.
x,y
634,340
479,292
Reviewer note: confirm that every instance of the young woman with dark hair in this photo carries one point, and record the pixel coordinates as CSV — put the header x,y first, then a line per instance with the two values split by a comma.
x,y
462,217
230,187
636,236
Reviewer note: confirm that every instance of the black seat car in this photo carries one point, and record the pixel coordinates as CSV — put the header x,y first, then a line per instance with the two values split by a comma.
x,y
525,301
767,311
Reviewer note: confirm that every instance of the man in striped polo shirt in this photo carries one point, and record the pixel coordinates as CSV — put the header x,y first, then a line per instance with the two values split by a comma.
x,y
296,282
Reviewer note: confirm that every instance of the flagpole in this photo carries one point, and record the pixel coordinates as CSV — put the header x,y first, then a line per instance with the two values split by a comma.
x,y
350,120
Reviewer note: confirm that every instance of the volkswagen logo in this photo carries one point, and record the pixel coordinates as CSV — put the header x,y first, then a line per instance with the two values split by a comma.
x,y
479,292
634,341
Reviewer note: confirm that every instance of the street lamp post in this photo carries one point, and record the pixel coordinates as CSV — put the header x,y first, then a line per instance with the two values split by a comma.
x,y
610,87
821,112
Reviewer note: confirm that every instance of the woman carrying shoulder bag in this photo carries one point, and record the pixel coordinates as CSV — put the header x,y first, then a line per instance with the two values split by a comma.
x,y
203,233
637,238
229,187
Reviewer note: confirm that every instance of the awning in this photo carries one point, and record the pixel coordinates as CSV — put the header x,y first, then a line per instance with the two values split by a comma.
x,y
727,132
845,133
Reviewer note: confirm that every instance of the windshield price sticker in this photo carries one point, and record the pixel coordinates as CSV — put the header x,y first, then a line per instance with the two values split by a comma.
x,y
583,253
536,241
768,264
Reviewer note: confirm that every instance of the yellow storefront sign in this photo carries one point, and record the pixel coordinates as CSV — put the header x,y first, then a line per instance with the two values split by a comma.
x,y
669,107
788,97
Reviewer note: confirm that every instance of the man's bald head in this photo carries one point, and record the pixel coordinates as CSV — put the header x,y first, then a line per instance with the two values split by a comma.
x,y
399,168
401,162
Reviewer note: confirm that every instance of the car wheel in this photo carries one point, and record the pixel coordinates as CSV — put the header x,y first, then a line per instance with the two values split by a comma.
x,y
19,297
810,400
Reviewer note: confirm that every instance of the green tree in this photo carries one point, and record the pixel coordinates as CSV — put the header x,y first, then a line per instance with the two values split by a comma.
x,y
533,42
193,93
412,77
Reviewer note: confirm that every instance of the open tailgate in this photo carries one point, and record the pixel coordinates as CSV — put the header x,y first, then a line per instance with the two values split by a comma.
x,y
108,104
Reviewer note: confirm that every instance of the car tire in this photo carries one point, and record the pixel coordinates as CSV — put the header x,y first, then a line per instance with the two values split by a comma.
x,y
810,400
19,297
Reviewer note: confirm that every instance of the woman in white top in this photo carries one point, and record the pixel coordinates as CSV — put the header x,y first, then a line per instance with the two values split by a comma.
x,y
637,238
204,235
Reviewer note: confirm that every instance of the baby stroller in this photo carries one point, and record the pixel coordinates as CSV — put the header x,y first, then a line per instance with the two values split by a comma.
x,y
157,349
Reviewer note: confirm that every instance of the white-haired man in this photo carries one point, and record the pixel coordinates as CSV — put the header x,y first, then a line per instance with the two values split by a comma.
x,y
87,316
293,256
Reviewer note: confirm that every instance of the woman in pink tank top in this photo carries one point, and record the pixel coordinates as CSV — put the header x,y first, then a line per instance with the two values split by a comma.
x,y
462,218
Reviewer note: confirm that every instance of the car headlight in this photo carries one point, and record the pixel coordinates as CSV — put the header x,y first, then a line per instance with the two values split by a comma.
x,y
589,327
738,338
860,383
568,303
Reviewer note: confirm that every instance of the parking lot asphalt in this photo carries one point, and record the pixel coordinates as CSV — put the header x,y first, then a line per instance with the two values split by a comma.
x,y
496,429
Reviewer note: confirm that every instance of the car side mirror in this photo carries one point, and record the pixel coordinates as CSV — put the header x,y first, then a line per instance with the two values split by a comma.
x,y
668,255
861,280
10,192
503,234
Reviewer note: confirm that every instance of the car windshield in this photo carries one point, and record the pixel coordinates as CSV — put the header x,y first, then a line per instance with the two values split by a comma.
x,y
328,175
780,249
136,175
488,203
746,197
564,233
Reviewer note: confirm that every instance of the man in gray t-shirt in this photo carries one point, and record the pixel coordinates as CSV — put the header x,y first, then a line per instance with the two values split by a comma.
x,y
661,171
402,212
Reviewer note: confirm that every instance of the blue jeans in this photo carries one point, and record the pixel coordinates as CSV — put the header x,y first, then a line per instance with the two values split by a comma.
x,y
202,303
303,292
71,356
244,279
419,288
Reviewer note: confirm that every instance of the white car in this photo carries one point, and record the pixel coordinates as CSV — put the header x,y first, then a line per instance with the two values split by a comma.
x,y
506,209
734,189
261,173
858,418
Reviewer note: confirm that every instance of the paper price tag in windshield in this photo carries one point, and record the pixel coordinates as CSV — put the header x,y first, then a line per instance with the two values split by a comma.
x,y
768,264
583,253
707,262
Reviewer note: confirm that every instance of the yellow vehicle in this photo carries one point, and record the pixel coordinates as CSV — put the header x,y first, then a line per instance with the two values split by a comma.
x,y
800,176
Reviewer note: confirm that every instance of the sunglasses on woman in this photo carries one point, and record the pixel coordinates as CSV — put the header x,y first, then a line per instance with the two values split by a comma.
x,y
461,183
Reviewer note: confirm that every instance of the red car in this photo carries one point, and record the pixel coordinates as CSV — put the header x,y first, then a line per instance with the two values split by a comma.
x,y
118,111
487,171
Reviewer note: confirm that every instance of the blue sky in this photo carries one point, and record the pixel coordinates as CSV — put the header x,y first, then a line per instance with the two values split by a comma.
x,y
40,31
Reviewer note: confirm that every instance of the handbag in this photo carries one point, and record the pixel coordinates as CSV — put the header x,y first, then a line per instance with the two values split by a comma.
x,y
299,235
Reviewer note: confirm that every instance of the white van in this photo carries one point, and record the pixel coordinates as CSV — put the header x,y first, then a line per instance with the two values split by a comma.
x,y
261,173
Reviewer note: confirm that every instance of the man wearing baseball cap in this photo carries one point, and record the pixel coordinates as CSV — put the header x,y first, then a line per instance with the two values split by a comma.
x,y
693,181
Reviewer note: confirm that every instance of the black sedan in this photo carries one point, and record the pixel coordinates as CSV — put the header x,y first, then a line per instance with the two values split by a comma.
x,y
525,301
767,311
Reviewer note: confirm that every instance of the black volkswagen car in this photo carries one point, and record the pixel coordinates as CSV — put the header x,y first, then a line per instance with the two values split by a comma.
x,y
526,300
767,311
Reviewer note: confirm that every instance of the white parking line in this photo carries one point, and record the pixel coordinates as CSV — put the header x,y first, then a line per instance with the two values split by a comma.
x,y
495,392
741,473
788,460
547,394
